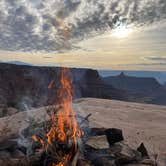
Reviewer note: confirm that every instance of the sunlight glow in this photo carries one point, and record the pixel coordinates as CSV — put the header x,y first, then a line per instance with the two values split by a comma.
x,y
121,31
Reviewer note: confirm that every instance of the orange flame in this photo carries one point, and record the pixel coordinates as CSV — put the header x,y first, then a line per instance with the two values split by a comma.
x,y
63,123
60,164
51,84
34,137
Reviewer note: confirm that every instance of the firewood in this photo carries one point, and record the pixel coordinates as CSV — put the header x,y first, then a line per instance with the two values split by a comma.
x,y
86,118
75,159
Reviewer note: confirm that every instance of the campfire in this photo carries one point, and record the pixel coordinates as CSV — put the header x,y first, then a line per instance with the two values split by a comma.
x,y
63,138
61,145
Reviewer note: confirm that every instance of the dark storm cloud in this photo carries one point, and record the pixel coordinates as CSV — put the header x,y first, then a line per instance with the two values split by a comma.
x,y
52,25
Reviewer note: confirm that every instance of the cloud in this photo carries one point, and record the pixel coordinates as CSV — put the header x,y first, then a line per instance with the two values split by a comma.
x,y
156,58
47,57
52,25
144,64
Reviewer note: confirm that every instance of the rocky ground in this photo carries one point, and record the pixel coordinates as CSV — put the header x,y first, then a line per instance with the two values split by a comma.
x,y
139,122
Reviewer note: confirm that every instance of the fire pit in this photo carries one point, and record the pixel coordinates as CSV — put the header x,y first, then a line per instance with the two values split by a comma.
x,y
65,139
61,145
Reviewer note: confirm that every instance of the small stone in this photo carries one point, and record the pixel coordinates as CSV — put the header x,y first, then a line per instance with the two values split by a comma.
x,y
97,131
142,149
148,162
82,162
124,154
98,142
104,161
4,154
114,135
99,157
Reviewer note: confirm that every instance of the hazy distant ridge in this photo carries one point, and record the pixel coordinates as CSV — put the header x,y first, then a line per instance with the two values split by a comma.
x,y
159,75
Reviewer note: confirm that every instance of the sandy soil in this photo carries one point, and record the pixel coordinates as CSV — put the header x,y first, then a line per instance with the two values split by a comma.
x,y
139,122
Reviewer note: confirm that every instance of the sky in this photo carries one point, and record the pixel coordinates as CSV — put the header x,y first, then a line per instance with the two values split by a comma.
x,y
108,34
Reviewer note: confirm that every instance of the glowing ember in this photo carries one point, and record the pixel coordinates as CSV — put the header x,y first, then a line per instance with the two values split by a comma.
x,y
34,137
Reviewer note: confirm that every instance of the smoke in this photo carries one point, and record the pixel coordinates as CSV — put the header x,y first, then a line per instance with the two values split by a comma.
x,y
52,25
